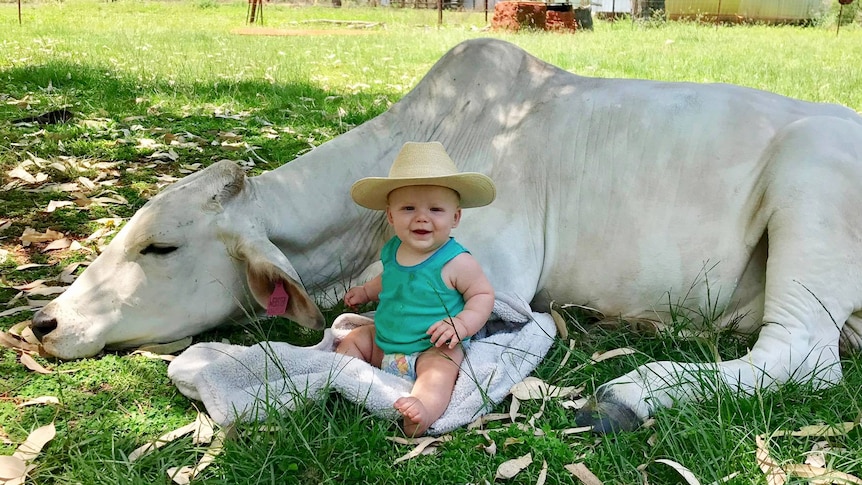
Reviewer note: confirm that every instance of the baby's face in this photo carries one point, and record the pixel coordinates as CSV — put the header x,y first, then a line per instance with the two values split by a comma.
x,y
423,216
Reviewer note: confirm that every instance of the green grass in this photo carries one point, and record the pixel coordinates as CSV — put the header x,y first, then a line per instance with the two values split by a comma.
x,y
161,70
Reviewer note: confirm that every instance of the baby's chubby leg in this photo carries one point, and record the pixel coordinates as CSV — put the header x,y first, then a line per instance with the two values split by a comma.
x,y
436,372
360,343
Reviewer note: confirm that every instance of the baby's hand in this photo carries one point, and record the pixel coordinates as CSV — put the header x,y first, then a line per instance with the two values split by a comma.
x,y
447,332
356,296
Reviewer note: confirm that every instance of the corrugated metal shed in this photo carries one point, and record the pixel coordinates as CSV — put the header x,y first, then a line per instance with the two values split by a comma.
x,y
746,10
725,10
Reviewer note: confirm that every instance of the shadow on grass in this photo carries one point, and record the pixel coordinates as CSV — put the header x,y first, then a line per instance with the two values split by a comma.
x,y
93,89
114,111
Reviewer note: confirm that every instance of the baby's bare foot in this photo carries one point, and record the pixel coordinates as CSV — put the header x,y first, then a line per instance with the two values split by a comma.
x,y
415,415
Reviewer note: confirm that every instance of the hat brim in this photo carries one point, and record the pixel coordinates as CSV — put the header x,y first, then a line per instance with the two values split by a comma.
x,y
474,189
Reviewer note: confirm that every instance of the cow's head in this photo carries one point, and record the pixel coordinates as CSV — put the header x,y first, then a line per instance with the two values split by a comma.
x,y
192,258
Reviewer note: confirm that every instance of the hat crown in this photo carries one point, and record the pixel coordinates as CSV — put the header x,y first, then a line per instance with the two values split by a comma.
x,y
424,164
422,160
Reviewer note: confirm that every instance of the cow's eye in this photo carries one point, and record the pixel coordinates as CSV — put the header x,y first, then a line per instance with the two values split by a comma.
x,y
159,249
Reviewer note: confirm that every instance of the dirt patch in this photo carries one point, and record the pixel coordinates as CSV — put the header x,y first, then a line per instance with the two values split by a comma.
x,y
299,32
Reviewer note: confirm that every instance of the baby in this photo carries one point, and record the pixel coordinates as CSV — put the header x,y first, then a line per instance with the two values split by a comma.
x,y
433,294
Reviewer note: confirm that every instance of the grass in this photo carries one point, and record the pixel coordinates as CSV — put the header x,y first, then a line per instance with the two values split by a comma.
x,y
139,75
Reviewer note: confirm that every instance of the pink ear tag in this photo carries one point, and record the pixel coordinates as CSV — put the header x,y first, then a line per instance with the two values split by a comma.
x,y
277,301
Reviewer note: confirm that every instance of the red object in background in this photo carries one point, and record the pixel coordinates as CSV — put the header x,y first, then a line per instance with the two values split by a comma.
x,y
513,15
516,15
845,2
555,20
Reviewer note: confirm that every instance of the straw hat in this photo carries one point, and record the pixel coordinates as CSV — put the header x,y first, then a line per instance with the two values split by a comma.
x,y
424,164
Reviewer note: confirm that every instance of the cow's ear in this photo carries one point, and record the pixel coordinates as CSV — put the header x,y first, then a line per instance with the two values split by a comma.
x,y
266,269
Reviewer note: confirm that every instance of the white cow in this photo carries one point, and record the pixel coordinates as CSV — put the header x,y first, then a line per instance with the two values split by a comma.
x,y
611,194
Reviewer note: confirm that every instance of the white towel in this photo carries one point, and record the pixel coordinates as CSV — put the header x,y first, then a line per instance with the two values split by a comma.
x,y
238,382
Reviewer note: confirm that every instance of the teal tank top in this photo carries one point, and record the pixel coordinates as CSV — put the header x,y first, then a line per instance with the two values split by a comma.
x,y
413,298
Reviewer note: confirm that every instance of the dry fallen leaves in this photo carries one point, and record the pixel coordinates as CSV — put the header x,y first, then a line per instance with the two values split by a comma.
x,y
56,204
535,388
30,363
577,430
821,475
543,474
684,472
16,343
508,469
560,323
491,447
25,350
39,401
777,474
14,469
202,430
421,445
163,351
184,475
818,430
30,236
483,420
601,356
566,357
38,438
58,244
582,473
17,309
22,331
817,455
20,173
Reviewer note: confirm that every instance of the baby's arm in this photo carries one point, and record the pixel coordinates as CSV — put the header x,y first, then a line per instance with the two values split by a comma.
x,y
359,295
466,275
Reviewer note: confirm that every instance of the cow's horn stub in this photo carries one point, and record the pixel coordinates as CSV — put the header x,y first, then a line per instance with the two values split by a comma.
x,y
234,181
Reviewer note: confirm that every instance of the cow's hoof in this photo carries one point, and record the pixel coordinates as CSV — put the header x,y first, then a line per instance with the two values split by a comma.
x,y
607,417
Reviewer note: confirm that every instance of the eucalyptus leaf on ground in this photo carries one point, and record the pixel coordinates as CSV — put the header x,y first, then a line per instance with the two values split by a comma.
x,y
12,468
29,362
508,469
201,428
184,475
421,444
775,475
684,472
821,475
39,401
535,388
543,474
583,474
818,430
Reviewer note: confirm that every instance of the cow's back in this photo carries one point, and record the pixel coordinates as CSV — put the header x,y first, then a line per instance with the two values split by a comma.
x,y
637,194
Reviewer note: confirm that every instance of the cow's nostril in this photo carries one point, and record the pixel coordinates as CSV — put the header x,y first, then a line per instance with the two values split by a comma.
x,y
43,325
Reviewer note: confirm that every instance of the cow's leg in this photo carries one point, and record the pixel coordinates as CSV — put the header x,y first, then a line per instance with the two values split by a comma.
x,y
813,207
